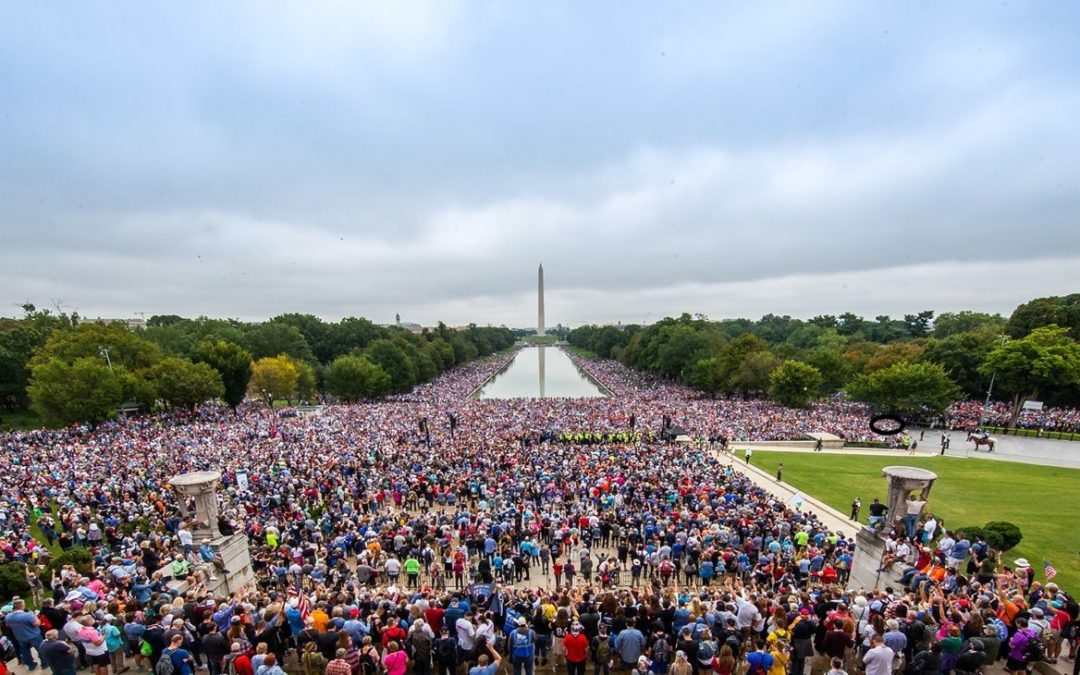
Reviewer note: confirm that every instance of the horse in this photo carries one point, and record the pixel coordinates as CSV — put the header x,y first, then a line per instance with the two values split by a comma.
x,y
982,439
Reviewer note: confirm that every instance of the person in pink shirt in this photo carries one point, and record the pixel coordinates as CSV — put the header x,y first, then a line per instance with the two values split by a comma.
x,y
395,660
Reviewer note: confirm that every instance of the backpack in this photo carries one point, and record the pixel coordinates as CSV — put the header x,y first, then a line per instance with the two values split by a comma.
x,y
1034,650
602,653
661,651
367,663
522,644
7,649
706,651
164,664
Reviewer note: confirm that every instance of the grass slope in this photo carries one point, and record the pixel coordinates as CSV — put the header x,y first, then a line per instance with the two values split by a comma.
x,y
1043,501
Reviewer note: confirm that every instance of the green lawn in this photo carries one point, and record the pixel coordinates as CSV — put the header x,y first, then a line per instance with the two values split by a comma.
x,y
1043,501
583,353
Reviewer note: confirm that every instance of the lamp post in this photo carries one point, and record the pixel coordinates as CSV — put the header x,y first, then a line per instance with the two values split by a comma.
x,y
990,389
104,351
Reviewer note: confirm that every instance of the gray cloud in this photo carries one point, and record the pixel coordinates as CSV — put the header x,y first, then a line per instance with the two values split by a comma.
x,y
422,158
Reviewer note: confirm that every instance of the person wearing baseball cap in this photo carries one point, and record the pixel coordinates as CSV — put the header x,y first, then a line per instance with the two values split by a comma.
x,y
576,646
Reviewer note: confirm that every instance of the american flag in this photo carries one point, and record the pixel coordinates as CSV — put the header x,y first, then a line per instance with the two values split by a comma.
x,y
302,603
1049,570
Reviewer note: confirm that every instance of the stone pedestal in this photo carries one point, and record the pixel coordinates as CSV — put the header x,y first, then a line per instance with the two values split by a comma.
x,y
232,549
870,543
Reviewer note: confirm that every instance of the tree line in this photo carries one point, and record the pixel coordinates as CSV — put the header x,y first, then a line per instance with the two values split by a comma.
x,y
915,365
67,370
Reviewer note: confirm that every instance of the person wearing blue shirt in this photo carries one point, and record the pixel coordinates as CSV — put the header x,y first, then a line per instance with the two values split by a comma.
x,y
759,660
295,619
959,551
26,628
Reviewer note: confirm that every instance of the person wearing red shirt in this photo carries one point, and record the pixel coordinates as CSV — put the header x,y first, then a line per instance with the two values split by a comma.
x,y
577,650
434,617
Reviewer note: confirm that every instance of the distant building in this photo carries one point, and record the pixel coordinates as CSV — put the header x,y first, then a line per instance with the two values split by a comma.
x,y
130,324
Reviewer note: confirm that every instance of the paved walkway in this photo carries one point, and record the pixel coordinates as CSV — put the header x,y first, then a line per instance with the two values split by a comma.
x,y
1022,449
1040,451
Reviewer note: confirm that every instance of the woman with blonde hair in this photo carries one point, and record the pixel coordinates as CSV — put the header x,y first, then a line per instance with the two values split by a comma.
x,y
395,661
312,662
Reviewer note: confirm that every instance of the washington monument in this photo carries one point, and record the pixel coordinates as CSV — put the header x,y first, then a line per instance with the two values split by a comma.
x,y
540,300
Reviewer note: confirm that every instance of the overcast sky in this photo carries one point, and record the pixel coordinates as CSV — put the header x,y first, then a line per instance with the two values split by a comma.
x,y
246,159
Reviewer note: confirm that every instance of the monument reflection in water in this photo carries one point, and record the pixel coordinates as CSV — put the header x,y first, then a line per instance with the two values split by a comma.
x,y
541,372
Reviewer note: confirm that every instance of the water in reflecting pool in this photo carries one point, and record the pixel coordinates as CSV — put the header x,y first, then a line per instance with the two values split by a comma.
x,y
540,372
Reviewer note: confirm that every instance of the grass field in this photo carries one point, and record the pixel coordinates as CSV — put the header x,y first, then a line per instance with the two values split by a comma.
x,y
1043,501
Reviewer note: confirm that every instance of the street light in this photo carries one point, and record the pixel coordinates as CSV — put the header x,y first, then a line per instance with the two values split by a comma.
x,y
104,352
990,389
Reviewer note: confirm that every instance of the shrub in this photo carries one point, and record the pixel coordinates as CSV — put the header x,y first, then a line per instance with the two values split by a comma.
x,y
1000,535
13,580
79,557
1003,535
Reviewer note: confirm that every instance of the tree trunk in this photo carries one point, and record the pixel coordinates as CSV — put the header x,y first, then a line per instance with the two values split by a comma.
x,y
1018,403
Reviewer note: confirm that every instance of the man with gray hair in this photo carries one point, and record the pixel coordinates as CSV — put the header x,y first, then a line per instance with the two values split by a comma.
x,y
26,628
57,654
339,666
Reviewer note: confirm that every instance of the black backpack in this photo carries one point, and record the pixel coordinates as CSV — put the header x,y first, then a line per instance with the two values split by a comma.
x,y
1034,650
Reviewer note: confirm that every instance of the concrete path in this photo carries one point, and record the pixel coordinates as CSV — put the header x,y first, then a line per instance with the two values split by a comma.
x,y
1040,451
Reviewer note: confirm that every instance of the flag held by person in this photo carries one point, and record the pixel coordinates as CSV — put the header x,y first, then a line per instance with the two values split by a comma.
x,y
1049,570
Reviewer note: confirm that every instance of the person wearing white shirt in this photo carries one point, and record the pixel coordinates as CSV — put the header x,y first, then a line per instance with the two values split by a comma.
x,y
946,544
930,527
466,633
879,659
186,540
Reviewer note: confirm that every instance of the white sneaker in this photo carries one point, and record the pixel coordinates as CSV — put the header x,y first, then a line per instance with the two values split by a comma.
x,y
213,578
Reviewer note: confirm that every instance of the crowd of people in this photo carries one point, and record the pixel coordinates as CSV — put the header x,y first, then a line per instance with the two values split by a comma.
x,y
974,414
434,532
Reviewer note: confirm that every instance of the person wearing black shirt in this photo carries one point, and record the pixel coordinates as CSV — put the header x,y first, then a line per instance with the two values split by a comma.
x,y
802,641
328,642
215,646
877,512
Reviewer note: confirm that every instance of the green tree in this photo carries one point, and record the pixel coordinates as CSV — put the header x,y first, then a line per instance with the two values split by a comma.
x,y
232,362
306,382
731,357
314,329
754,373
86,390
918,325
395,362
94,340
274,338
353,377
1042,361
961,355
179,383
682,347
273,378
1063,311
834,368
704,374
19,338
906,388
953,323
795,383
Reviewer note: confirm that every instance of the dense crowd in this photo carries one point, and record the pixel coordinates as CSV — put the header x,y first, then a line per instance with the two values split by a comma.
x,y
384,538
973,414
